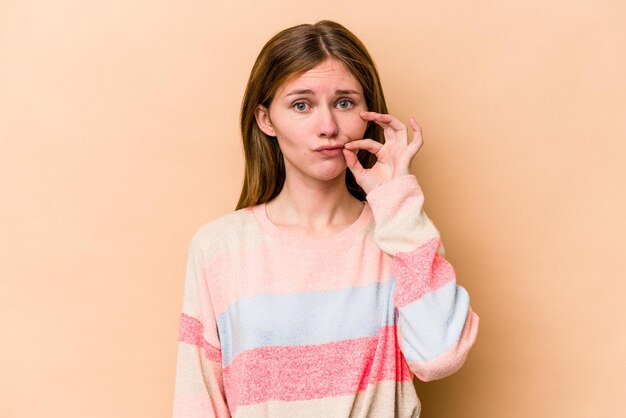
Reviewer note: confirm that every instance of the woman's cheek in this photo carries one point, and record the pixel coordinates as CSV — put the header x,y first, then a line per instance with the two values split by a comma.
x,y
356,127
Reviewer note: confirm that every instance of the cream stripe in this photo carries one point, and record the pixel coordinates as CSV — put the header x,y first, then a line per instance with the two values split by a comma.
x,y
405,232
386,399
195,374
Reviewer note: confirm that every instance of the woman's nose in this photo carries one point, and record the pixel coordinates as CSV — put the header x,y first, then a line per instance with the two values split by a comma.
x,y
326,123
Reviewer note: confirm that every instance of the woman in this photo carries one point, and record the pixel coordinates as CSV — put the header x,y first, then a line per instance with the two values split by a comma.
x,y
327,289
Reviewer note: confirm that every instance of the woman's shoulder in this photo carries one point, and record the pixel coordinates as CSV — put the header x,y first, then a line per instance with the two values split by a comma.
x,y
224,230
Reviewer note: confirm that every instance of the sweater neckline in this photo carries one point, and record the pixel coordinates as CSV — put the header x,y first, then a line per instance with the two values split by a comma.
x,y
337,239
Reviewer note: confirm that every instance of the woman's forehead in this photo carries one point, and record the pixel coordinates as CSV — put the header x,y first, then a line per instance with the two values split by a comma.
x,y
328,76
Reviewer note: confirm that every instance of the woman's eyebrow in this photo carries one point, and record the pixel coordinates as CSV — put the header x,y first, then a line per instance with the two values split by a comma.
x,y
311,92
348,91
300,91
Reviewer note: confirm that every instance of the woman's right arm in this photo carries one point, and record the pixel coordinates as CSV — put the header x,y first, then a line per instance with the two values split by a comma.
x,y
199,387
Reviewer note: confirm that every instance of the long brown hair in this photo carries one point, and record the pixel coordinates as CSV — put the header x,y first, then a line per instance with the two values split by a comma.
x,y
292,52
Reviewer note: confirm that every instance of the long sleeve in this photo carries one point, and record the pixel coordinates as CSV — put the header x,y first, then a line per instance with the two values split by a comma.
x,y
436,325
199,387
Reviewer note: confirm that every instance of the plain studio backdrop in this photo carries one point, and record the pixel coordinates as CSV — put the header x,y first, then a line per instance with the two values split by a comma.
x,y
119,138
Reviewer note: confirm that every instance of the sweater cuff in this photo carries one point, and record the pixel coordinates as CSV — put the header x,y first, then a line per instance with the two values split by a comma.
x,y
390,195
400,223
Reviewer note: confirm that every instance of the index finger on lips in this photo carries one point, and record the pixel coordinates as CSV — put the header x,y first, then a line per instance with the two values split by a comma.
x,y
366,144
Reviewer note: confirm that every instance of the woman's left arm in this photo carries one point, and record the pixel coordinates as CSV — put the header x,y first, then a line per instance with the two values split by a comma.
x,y
436,325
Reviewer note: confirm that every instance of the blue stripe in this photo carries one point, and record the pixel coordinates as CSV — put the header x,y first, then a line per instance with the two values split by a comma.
x,y
305,318
433,323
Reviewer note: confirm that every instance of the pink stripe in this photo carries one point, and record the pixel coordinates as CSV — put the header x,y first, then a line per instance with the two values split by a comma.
x,y
419,272
250,274
191,332
288,373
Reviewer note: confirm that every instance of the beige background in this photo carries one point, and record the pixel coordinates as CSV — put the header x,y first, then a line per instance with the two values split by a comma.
x,y
119,134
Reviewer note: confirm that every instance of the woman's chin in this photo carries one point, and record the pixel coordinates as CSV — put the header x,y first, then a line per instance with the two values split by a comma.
x,y
332,174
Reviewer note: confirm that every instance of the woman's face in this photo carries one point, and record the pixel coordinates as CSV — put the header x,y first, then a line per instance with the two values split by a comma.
x,y
318,108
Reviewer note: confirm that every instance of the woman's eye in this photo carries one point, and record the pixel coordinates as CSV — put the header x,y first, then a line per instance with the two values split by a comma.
x,y
300,106
344,104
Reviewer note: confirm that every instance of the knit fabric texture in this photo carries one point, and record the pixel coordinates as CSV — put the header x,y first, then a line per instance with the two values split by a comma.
x,y
278,325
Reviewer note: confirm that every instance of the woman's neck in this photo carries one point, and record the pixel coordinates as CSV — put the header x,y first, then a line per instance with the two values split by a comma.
x,y
318,209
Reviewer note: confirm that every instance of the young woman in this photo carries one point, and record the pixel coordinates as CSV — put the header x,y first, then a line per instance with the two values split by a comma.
x,y
327,289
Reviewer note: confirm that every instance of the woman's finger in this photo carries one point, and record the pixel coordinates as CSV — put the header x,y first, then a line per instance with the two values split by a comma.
x,y
417,141
366,144
353,162
384,120
392,127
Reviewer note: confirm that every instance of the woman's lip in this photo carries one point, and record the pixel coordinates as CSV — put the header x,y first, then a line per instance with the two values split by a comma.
x,y
327,148
330,152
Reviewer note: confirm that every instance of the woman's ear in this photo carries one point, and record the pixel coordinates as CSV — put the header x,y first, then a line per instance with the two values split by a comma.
x,y
262,116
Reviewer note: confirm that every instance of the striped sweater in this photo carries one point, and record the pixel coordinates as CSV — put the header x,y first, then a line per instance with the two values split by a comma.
x,y
277,325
